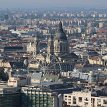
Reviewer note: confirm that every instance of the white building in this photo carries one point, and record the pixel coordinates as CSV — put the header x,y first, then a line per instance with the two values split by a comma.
x,y
19,81
81,75
84,99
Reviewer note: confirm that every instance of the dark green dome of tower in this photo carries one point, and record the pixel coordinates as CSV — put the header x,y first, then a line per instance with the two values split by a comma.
x,y
60,35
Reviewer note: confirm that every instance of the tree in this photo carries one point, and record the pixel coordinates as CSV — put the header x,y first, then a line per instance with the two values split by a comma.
x,y
3,75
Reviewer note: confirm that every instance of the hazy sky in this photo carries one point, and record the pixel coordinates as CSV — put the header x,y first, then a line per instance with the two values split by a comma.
x,y
52,3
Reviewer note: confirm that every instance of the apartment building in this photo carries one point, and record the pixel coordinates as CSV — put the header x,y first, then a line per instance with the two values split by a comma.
x,y
84,99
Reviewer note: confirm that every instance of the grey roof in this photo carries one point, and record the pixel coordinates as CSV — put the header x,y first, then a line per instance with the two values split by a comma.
x,y
36,76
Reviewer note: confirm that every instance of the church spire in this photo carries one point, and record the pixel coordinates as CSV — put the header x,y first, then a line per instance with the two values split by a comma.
x,y
50,48
36,45
60,26
60,34
60,41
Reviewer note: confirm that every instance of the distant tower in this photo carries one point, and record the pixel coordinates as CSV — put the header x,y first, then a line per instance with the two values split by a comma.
x,y
50,48
36,50
61,46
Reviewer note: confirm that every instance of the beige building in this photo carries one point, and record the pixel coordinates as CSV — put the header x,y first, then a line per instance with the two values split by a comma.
x,y
4,64
18,81
95,60
33,46
84,99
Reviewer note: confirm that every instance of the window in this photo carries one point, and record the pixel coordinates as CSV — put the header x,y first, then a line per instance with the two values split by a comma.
x,y
86,99
98,101
69,102
104,101
69,96
74,100
86,104
80,99
92,100
65,98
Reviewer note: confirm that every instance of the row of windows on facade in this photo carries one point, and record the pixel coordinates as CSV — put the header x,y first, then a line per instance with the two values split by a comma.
x,y
80,99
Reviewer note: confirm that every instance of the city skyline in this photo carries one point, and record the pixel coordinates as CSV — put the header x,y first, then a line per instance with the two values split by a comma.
x,y
53,53
53,4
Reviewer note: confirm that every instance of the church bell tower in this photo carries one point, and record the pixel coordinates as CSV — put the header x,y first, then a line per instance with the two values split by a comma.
x,y
50,48
61,46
